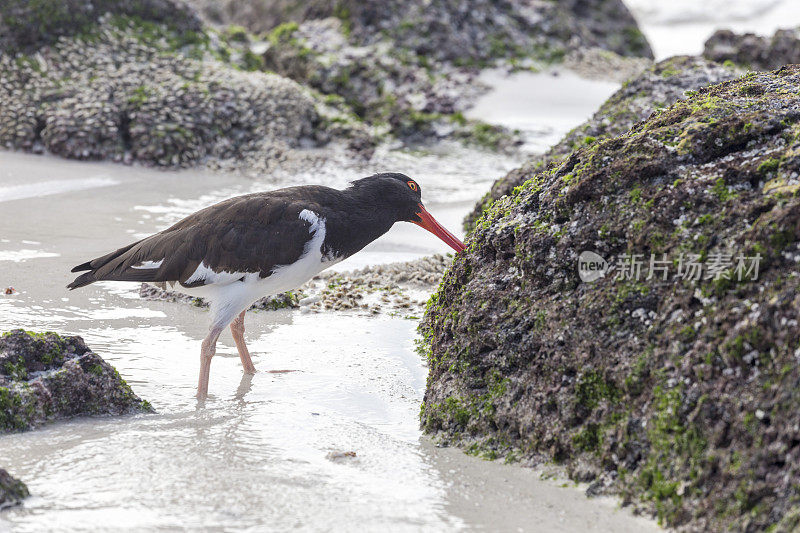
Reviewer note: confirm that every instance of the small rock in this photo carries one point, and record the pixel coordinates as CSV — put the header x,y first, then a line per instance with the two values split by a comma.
x,y
12,490
47,377
340,456
308,300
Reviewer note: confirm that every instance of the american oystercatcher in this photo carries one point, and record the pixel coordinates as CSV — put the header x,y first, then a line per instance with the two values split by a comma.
x,y
260,244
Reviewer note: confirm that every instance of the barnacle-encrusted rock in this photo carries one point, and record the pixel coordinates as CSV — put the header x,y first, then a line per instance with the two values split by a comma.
x,y
675,385
423,272
44,377
12,490
656,88
135,92
754,51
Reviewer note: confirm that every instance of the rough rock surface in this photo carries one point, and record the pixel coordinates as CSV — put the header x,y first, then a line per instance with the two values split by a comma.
x,y
12,490
423,272
680,393
137,91
656,88
754,51
44,377
456,31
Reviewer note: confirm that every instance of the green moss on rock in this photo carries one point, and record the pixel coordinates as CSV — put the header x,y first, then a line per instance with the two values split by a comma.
x,y
409,65
678,393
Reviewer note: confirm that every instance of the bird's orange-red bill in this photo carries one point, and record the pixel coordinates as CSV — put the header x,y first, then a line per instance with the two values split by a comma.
x,y
429,223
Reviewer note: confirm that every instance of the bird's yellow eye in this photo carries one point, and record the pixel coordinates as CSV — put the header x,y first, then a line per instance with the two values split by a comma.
x,y
412,186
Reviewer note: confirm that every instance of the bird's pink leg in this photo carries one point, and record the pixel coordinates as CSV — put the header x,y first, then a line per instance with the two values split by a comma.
x,y
207,351
237,329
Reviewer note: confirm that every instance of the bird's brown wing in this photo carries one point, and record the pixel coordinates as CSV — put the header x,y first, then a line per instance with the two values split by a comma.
x,y
252,233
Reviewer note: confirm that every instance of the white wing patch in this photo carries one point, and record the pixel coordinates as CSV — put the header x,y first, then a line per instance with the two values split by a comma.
x,y
209,276
317,223
313,219
148,265
310,263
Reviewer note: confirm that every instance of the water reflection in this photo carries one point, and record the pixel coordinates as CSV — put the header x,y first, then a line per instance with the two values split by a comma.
x,y
244,387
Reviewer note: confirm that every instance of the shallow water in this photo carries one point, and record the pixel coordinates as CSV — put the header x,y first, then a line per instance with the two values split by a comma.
x,y
558,96
263,452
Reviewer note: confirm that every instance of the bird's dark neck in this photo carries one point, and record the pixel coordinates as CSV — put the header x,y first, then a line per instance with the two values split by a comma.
x,y
358,219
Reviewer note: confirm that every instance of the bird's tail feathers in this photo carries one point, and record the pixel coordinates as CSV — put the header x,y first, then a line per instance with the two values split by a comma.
x,y
94,265
82,280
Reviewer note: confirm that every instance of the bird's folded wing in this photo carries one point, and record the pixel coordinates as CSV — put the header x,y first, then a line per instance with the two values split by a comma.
x,y
219,244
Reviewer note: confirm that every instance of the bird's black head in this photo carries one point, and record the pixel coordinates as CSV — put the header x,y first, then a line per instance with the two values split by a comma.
x,y
392,191
401,196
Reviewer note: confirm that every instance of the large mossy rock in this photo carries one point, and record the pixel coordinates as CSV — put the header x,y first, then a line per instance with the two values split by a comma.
x,y
681,394
45,377
409,67
659,86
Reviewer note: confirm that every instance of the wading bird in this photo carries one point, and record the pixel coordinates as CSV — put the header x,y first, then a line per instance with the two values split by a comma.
x,y
244,248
